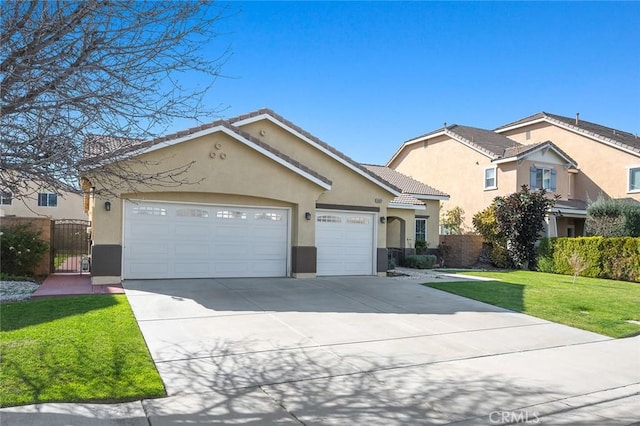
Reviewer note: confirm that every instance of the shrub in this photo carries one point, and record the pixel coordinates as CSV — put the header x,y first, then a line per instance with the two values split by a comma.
x,y
21,249
392,264
612,258
485,224
613,218
421,261
421,246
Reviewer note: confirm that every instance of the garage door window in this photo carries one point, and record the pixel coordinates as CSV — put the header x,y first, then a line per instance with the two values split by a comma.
x,y
227,214
361,220
329,219
153,211
192,213
268,216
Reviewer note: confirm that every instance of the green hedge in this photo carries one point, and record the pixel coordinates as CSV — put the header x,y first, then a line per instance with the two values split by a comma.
x,y
612,258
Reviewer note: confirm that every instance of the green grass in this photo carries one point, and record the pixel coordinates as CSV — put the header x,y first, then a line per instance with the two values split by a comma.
x,y
598,305
85,348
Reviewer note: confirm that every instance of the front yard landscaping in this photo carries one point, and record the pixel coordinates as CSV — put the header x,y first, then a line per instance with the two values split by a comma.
x,y
85,348
598,305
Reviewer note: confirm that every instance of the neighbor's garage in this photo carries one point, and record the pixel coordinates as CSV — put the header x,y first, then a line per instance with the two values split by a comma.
x,y
175,240
345,242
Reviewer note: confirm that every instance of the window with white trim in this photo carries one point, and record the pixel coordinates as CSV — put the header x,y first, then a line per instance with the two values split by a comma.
x,y
421,229
6,198
634,179
47,199
490,178
542,178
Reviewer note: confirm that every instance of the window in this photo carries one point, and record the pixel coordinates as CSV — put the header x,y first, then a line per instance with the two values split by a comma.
x,y
358,219
46,199
421,229
542,178
268,216
151,211
227,214
490,178
329,219
192,213
6,198
634,179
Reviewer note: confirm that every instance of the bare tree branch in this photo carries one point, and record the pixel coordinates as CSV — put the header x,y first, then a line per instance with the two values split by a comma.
x,y
73,69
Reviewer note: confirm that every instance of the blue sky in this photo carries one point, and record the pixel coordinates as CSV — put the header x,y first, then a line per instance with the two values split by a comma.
x,y
364,77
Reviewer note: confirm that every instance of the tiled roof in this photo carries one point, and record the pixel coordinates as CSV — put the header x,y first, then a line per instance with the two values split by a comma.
x,y
407,199
571,204
610,135
407,184
488,141
267,111
522,150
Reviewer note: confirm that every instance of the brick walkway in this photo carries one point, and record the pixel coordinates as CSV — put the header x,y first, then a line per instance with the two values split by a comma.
x,y
73,284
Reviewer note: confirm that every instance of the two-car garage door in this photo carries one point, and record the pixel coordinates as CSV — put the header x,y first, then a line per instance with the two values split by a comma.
x,y
174,240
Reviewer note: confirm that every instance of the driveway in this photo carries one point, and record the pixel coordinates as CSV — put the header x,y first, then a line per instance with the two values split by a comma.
x,y
369,351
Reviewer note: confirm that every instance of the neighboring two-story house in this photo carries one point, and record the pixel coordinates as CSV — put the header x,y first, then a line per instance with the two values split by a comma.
x,y
608,159
575,159
475,165
37,201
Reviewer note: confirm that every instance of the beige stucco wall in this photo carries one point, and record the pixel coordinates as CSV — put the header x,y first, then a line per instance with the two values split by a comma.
x,y
456,170
69,206
243,177
246,177
349,188
603,169
459,170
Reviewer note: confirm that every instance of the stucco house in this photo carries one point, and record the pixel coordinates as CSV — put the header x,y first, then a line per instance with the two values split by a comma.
x,y
267,198
608,159
475,165
413,215
37,201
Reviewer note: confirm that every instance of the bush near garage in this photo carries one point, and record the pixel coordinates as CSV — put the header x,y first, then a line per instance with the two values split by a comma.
x,y
21,249
611,258
421,261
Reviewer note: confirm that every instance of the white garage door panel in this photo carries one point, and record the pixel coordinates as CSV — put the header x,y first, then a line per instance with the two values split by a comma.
x,y
173,240
345,242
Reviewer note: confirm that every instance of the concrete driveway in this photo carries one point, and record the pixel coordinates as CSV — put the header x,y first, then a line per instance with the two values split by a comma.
x,y
368,351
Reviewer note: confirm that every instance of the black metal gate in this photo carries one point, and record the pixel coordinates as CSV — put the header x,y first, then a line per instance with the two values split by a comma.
x,y
70,246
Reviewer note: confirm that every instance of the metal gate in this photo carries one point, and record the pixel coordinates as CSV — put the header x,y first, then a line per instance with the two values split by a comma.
x,y
70,246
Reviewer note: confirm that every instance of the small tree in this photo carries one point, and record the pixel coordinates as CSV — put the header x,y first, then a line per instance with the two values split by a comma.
x,y
485,224
520,218
578,264
453,220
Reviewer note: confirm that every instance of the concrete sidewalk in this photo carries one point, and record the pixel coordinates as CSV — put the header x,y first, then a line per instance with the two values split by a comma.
x,y
359,350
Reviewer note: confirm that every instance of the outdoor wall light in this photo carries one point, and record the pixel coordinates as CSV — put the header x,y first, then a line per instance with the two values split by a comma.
x,y
307,216
383,219
107,206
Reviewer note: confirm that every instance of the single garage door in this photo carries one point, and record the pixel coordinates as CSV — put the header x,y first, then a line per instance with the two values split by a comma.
x,y
345,242
172,240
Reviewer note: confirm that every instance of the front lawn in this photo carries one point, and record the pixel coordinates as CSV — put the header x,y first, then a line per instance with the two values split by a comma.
x,y
598,305
85,348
